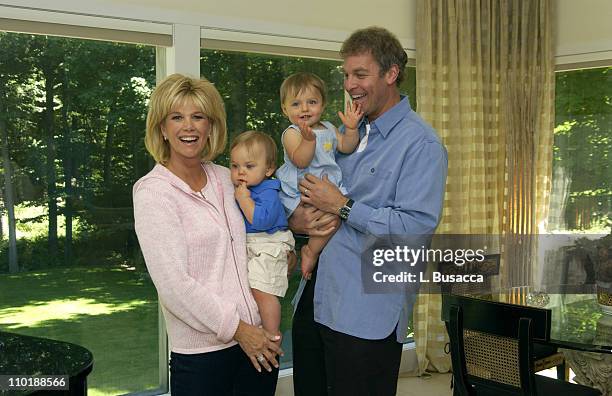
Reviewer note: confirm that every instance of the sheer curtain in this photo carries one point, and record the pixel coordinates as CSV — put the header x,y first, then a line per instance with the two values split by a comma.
x,y
485,81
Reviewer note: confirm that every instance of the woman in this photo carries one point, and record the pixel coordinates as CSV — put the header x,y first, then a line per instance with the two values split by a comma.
x,y
192,237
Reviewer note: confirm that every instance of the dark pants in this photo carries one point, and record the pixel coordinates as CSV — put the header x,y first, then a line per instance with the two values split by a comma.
x,y
227,372
360,367
309,378
329,363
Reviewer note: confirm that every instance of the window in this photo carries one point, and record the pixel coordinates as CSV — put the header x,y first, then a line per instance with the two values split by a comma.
x,y
72,114
73,117
581,198
249,84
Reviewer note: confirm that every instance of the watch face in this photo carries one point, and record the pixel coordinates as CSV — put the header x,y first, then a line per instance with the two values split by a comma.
x,y
344,212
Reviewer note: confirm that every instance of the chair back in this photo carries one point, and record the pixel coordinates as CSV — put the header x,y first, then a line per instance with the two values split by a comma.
x,y
488,268
491,344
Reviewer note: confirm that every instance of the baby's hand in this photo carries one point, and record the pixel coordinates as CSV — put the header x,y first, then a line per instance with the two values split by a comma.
x,y
242,192
353,115
306,131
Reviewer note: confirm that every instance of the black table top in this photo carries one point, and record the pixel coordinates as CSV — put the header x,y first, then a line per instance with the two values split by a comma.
x,y
25,355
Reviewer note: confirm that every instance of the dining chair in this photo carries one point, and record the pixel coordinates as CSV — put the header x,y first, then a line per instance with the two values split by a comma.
x,y
544,356
492,348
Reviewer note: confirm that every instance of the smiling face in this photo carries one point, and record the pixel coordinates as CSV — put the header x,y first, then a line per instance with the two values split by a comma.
x,y
364,83
306,106
186,129
248,165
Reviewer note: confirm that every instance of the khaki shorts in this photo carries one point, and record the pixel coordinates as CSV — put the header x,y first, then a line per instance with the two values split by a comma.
x,y
267,255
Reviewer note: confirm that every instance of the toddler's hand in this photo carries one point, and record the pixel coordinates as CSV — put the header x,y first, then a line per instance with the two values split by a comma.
x,y
306,131
353,115
242,192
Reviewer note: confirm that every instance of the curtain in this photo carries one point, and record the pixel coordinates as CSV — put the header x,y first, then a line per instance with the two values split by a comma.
x,y
485,81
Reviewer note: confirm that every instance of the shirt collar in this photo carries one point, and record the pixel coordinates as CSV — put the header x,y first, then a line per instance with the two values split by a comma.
x,y
391,117
265,185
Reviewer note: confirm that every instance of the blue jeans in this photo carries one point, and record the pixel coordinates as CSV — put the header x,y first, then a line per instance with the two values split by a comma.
x,y
227,372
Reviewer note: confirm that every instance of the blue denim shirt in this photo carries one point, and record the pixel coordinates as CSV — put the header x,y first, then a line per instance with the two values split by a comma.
x,y
397,184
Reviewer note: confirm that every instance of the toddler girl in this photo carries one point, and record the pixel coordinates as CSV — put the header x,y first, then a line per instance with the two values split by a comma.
x,y
310,146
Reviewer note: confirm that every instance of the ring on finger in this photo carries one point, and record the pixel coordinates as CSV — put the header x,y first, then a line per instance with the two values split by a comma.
x,y
260,358
305,191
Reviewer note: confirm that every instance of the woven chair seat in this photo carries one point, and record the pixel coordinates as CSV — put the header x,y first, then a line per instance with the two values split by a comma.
x,y
492,349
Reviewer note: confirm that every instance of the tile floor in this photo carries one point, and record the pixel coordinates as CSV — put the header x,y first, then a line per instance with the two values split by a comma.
x,y
432,385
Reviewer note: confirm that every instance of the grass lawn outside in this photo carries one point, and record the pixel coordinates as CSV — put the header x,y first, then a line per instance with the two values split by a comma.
x,y
112,311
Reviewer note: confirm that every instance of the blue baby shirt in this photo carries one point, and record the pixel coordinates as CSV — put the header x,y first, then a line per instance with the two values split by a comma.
x,y
269,215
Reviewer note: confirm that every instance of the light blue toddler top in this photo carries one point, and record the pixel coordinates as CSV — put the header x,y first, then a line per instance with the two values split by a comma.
x,y
323,163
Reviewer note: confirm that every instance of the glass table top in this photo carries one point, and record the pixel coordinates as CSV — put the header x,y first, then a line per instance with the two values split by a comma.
x,y
578,321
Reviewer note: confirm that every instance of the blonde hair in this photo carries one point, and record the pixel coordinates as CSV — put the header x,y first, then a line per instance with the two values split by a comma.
x,y
174,91
298,82
251,139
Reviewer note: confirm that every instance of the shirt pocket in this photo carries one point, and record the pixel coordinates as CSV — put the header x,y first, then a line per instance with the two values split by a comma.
x,y
379,184
376,173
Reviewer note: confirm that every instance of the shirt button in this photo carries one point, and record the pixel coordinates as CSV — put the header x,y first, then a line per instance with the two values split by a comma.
x,y
372,170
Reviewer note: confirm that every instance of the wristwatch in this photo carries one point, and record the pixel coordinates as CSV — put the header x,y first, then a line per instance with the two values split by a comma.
x,y
345,210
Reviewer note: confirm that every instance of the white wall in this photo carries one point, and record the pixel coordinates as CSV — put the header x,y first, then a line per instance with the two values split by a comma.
x,y
318,19
317,24
583,30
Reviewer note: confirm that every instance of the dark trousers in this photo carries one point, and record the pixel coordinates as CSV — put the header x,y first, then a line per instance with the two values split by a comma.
x,y
360,367
227,372
309,378
329,363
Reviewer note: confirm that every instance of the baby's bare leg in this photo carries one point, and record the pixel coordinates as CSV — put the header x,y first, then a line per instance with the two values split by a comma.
x,y
310,253
269,310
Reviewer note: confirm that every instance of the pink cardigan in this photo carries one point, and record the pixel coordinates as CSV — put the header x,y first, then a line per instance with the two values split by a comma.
x,y
197,263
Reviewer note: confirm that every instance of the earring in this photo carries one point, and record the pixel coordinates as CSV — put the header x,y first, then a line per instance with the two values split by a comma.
x,y
165,138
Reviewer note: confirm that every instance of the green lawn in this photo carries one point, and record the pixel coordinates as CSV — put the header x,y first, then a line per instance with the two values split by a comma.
x,y
110,311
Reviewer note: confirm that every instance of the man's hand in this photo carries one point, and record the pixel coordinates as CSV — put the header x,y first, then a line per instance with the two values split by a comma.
x,y
291,262
312,221
321,193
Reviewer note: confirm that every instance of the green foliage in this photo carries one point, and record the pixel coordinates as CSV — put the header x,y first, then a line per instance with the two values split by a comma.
x,y
250,85
75,112
583,137
92,247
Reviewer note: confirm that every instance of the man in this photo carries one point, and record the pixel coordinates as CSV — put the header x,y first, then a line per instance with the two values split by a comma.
x,y
347,341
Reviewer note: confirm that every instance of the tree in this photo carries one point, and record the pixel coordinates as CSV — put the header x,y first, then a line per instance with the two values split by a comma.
x,y
583,137
9,201
14,103
49,56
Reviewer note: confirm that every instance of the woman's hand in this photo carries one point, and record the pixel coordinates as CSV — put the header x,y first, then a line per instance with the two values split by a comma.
x,y
259,345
